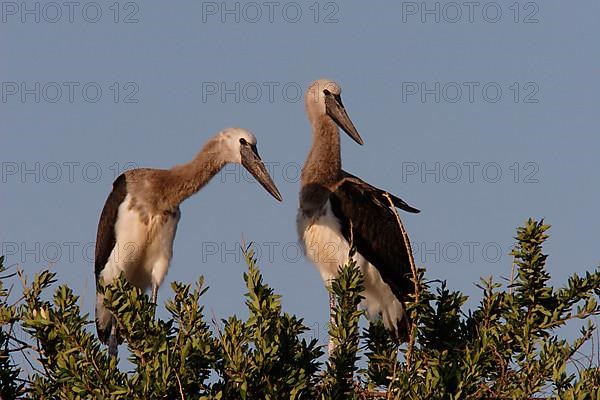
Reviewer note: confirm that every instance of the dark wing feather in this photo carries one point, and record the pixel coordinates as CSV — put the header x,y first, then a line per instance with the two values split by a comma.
x,y
379,194
105,242
370,224
106,236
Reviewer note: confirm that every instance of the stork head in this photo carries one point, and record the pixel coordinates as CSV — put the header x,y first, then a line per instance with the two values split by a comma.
x,y
238,146
323,97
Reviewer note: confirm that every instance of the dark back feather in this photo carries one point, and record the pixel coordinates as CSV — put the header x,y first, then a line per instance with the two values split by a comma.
x,y
370,224
105,242
106,237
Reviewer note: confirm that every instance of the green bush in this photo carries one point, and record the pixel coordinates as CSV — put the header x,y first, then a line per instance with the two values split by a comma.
x,y
506,348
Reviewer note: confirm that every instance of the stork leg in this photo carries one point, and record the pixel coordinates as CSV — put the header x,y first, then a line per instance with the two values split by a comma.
x,y
112,339
331,346
154,293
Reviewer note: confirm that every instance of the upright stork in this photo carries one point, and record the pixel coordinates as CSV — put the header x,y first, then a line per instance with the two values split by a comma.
x,y
139,219
338,209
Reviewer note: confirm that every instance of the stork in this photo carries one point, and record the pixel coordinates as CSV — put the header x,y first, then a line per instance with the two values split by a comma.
x,y
339,210
139,219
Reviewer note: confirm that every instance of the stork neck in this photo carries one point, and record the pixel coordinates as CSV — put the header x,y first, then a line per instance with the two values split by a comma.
x,y
323,165
187,179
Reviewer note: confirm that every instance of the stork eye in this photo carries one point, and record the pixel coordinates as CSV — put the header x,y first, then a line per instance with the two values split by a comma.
x,y
243,141
326,92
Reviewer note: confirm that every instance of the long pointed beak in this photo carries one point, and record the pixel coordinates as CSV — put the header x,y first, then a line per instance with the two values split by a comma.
x,y
335,109
252,162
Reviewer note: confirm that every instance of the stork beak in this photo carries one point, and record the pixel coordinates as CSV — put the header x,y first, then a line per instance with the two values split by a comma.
x,y
252,162
335,109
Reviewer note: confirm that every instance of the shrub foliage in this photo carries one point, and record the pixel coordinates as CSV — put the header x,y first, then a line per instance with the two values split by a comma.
x,y
508,347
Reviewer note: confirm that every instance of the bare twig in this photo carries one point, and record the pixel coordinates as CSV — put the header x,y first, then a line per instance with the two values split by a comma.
x,y
180,388
512,277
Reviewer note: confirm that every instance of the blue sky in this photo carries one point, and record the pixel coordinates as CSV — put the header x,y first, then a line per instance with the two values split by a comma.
x,y
481,117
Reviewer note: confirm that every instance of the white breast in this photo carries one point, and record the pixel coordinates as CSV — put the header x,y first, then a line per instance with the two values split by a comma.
x,y
142,251
325,246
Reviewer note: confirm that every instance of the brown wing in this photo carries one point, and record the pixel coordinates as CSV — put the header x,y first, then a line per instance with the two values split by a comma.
x,y
106,236
370,224
105,242
379,194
